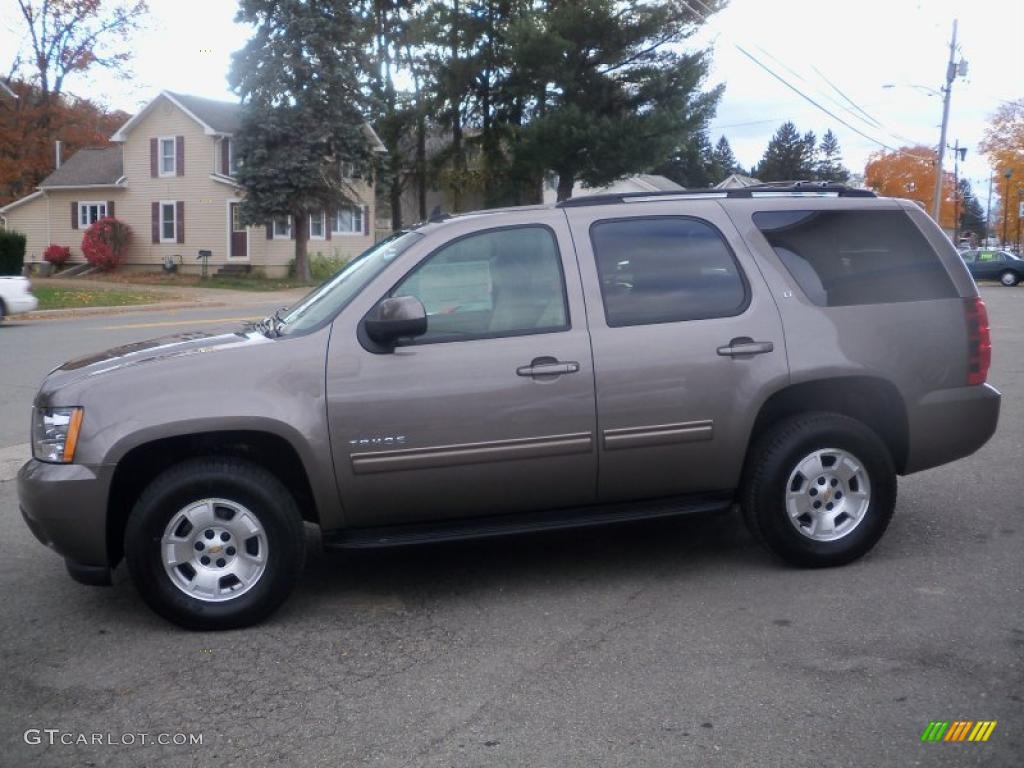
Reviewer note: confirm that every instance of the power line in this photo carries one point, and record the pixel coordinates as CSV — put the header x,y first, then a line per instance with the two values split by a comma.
x,y
804,96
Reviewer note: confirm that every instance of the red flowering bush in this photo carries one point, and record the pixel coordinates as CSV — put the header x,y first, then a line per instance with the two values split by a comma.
x,y
106,242
58,255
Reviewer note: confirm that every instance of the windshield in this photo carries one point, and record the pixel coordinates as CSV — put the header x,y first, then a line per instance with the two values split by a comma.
x,y
325,302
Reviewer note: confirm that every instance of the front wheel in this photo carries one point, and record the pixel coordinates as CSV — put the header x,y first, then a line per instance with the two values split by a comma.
x,y
820,489
1009,278
215,544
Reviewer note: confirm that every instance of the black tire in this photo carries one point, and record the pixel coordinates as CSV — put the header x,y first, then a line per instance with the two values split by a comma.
x,y
3,310
1009,278
777,454
249,485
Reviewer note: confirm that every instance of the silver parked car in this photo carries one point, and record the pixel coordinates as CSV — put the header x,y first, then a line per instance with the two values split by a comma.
x,y
611,358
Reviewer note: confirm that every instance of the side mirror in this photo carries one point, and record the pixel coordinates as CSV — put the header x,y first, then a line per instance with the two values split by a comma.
x,y
396,318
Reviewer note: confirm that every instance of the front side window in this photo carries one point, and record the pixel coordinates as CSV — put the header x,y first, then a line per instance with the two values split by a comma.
x,y
323,303
842,258
167,157
316,225
90,212
348,220
168,222
282,227
504,282
665,270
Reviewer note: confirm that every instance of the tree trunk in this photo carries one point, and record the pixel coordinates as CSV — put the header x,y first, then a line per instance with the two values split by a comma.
x,y
421,164
565,183
300,224
395,193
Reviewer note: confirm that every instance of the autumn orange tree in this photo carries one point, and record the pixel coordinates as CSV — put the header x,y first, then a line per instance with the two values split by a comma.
x,y
27,153
62,39
1003,144
909,172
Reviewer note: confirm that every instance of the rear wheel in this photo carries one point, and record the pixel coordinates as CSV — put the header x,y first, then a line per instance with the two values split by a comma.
x,y
820,490
215,544
1009,278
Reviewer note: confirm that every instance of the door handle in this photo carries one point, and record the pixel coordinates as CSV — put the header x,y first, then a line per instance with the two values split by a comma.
x,y
547,366
744,345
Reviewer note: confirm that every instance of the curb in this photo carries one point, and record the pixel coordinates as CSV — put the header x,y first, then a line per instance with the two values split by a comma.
x,y
59,314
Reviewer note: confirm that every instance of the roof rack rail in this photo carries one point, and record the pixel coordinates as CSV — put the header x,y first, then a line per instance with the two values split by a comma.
x,y
769,189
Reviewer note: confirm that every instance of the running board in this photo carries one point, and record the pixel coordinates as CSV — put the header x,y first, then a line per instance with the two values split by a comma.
x,y
531,522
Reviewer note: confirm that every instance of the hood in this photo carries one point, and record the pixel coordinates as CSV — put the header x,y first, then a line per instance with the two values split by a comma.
x,y
152,351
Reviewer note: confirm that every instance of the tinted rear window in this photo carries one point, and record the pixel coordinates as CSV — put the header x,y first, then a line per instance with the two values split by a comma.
x,y
665,269
856,257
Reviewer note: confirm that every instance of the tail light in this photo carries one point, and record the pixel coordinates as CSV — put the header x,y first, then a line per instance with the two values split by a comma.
x,y
979,342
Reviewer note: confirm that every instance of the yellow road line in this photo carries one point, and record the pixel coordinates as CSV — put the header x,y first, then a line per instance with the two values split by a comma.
x,y
170,323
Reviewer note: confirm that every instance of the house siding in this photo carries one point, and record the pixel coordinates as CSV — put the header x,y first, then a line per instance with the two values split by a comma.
x,y
47,219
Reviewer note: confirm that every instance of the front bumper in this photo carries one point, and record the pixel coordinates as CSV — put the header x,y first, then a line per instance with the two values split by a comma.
x,y
65,507
949,424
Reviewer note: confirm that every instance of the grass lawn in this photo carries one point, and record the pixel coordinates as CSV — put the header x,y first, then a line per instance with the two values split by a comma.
x,y
239,283
54,297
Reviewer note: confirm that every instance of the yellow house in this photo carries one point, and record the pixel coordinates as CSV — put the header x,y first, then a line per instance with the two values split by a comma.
x,y
170,177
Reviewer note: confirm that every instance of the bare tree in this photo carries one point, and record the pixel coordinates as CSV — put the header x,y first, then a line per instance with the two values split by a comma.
x,y
68,37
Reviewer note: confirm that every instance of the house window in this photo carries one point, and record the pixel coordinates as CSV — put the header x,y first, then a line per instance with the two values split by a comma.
x,y
90,212
317,225
229,145
282,227
168,156
348,220
348,170
168,221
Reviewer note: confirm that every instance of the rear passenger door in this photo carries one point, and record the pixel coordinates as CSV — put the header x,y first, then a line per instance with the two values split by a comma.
x,y
687,342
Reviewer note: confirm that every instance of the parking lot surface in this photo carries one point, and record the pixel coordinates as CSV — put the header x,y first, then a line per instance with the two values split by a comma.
x,y
672,643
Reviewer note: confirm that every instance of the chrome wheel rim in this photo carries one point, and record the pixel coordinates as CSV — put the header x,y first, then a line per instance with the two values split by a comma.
x,y
214,550
828,494
1009,279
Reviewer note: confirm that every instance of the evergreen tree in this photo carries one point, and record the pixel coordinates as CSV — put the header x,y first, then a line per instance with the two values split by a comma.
x,y
299,77
787,157
692,164
609,95
830,161
972,215
723,161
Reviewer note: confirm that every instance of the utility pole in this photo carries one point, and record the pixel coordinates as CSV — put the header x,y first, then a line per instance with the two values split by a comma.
x,y
988,209
959,153
951,72
1006,203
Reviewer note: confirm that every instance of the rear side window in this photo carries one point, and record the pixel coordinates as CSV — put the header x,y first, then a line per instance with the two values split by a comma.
x,y
665,269
841,258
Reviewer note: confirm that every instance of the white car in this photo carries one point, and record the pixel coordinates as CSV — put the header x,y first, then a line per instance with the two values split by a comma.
x,y
16,296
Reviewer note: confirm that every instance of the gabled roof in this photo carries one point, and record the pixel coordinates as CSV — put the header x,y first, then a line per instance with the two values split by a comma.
x,y
6,92
89,167
736,181
655,182
222,113
216,118
220,116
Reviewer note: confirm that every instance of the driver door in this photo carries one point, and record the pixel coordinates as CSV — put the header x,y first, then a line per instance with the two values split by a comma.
x,y
492,410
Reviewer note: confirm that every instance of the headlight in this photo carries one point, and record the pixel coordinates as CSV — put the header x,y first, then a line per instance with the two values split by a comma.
x,y
55,434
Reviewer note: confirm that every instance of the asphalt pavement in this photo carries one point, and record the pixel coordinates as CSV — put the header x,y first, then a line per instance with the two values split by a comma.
x,y
673,643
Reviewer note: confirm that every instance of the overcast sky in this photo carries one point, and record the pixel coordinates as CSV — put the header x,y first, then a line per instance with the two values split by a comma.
x,y
857,45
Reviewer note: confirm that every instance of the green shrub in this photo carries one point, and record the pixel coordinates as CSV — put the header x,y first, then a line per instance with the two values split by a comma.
x,y
322,267
12,252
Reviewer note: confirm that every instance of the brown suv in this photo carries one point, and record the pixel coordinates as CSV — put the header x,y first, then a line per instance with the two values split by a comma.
x,y
607,359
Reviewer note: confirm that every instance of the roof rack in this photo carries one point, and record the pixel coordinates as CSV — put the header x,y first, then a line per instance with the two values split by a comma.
x,y
770,189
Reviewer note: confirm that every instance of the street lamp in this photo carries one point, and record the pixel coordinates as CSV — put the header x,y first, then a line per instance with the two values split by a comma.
x,y
1006,202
